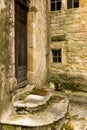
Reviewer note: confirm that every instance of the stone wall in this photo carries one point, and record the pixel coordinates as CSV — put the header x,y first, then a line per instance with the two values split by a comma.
x,y
71,26
7,80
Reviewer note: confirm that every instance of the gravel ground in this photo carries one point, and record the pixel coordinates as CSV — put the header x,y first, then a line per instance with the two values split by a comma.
x,y
78,115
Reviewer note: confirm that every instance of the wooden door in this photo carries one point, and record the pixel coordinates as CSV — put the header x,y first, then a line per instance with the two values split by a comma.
x,y
21,40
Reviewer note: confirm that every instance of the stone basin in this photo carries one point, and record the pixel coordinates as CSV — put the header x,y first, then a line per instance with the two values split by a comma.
x,y
32,101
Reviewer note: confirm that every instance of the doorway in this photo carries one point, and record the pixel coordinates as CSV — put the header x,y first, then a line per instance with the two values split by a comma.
x,y
21,10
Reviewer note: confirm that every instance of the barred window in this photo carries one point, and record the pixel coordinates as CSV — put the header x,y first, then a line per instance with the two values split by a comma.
x,y
55,5
56,55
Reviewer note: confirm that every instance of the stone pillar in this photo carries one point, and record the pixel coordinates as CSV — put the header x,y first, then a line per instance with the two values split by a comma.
x,y
37,41
32,48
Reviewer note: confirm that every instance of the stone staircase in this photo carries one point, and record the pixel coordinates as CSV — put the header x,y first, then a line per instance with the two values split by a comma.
x,y
36,109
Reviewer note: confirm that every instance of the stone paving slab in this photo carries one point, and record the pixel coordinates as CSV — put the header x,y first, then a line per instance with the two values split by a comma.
x,y
53,113
79,124
77,109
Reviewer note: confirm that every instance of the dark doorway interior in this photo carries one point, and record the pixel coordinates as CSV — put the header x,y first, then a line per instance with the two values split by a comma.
x,y
21,40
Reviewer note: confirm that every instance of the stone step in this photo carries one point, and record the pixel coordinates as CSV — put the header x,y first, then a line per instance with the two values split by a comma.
x,y
48,119
31,101
55,126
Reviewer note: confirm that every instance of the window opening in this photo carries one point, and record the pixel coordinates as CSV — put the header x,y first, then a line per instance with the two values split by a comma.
x,y
72,4
55,5
56,55
76,3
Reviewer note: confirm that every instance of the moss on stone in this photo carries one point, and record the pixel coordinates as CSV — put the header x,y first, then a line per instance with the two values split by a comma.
x,y
2,36
24,95
69,82
37,91
8,127
5,57
67,116
67,126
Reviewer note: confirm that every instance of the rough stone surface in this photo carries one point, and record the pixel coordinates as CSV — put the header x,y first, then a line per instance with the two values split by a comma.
x,y
37,40
65,29
68,30
74,82
32,102
36,48
7,79
50,115
76,116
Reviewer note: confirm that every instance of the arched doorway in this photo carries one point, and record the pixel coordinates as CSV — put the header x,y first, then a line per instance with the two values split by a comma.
x,y
21,10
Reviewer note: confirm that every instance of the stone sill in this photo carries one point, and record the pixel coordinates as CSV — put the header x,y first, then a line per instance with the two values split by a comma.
x,y
71,10
55,64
